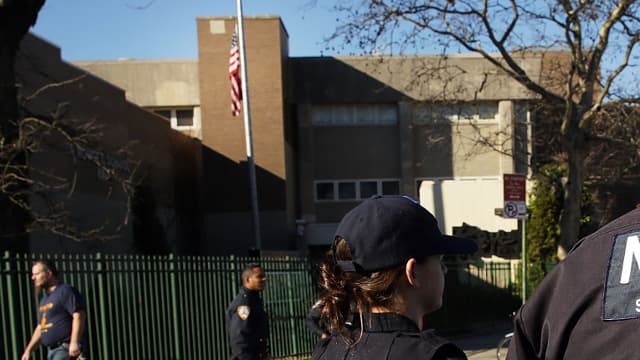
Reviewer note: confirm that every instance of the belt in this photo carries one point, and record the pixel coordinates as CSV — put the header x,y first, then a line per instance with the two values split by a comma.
x,y
57,345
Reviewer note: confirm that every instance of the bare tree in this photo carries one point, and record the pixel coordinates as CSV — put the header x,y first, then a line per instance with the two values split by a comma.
x,y
613,162
35,196
599,38
16,17
42,165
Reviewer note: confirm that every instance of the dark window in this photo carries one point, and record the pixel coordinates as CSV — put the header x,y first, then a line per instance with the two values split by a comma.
x,y
346,190
184,117
324,191
368,189
163,113
390,187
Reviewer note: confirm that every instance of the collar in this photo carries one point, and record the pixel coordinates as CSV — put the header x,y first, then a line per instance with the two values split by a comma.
x,y
51,288
388,322
249,292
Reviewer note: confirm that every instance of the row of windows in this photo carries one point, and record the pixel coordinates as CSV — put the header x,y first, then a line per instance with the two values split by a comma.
x,y
387,114
339,190
433,113
332,115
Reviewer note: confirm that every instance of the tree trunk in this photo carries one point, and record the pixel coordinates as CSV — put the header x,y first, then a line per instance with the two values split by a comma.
x,y
571,210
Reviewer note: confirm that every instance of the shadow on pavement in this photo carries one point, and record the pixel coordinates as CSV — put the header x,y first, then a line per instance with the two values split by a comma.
x,y
482,337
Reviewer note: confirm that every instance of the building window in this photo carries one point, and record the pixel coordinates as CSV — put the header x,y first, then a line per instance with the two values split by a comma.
x,y
180,118
391,188
368,189
350,190
354,115
347,190
184,117
324,191
443,113
164,113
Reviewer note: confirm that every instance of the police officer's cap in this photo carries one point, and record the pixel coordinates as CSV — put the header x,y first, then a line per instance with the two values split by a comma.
x,y
386,231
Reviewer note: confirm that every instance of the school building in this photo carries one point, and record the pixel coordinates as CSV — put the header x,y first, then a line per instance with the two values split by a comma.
x,y
328,132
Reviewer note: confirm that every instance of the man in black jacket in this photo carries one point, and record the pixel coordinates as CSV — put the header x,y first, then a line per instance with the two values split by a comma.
x,y
246,319
588,307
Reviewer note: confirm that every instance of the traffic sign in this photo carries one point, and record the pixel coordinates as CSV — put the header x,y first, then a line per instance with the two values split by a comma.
x,y
515,193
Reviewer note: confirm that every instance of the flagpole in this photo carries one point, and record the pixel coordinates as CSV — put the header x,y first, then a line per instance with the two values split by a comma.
x,y
247,130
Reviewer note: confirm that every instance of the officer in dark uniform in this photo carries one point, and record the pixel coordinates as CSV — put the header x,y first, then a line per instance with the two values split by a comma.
x,y
386,268
314,323
246,319
588,307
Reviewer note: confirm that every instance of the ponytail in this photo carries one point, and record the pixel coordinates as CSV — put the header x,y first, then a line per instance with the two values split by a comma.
x,y
346,293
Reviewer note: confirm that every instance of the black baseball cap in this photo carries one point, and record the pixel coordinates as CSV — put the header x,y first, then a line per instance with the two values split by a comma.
x,y
386,231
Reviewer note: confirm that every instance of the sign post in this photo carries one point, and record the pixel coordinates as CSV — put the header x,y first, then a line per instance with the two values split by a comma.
x,y
515,207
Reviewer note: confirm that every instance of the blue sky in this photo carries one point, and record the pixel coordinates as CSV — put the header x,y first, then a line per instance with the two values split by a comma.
x,y
166,29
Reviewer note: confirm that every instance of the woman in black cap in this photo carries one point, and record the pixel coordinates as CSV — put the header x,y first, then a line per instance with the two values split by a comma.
x,y
386,266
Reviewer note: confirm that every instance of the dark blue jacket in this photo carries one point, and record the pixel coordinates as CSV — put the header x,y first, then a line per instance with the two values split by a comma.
x,y
388,336
588,306
248,326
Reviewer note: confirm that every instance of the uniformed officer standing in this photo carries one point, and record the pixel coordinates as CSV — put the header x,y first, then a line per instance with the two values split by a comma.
x,y
588,306
246,319
386,270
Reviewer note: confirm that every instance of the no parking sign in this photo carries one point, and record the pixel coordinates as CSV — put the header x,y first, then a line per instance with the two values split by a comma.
x,y
515,206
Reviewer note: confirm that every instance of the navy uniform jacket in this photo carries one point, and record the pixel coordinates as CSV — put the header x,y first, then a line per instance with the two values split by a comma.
x,y
314,324
388,336
588,307
248,326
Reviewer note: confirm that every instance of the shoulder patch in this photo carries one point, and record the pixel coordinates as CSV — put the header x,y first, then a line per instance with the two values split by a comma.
x,y
621,298
243,312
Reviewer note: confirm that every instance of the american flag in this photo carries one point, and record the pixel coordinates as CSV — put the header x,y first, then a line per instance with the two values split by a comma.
x,y
234,74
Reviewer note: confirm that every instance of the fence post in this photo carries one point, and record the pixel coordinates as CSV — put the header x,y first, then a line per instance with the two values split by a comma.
x,y
290,306
12,307
174,306
100,273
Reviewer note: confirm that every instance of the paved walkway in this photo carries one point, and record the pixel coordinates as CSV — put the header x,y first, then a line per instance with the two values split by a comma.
x,y
481,343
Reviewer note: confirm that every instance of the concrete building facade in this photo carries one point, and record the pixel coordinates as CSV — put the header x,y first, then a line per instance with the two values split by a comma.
x,y
329,132
154,208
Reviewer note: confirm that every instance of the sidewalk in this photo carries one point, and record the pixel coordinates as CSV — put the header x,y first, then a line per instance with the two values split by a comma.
x,y
480,347
480,344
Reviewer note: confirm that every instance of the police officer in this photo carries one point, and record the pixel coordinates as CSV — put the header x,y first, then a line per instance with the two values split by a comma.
x,y
386,267
588,306
246,319
314,321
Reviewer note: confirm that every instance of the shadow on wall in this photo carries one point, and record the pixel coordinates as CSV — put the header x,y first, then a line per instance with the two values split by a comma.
x,y
227,183
227,213
149,235
504,244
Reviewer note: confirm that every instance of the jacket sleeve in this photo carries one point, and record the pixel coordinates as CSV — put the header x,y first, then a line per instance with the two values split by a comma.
x,y
240,337
313,321
520,346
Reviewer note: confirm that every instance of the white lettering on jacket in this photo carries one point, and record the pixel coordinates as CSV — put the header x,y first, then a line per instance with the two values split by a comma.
x,y
631,252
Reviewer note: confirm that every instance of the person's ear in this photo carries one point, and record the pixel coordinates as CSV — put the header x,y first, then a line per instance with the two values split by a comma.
x,y
410,272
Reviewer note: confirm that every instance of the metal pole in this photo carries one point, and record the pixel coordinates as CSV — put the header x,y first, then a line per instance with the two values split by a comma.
x,y
247,130
524,261
100,273
174,271
10,275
